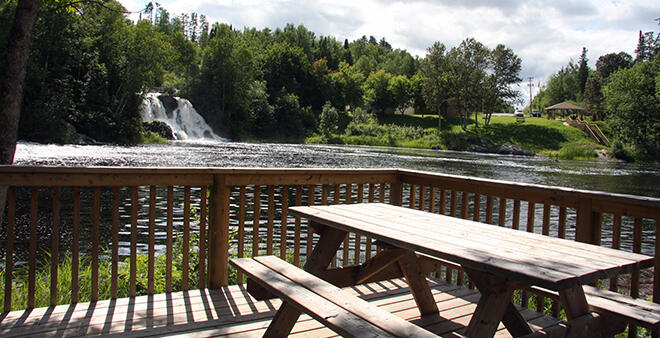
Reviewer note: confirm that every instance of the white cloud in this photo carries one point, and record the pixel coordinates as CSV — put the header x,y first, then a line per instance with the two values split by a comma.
x,y
545,34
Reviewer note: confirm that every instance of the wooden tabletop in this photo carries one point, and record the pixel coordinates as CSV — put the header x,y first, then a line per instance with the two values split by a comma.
x,y
533,259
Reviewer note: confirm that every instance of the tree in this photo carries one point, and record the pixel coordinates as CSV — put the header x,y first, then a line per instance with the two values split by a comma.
x,y
498,88
583,70
13,70
417,93
648,46
400,88
438,80
605,66
348,84
376,92
228,70
472,59
593,95
632,97
11,84
563,85
610,63
333,120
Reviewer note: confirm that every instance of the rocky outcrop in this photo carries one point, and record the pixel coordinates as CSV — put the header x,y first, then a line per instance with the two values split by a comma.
x,y
512,149
481,146
160,128
169,103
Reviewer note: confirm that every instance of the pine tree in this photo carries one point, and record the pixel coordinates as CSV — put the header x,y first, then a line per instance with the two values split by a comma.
x,y
583,71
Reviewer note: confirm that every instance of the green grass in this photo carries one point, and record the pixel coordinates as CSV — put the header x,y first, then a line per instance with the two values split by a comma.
x,y
19,293
548,137
153,138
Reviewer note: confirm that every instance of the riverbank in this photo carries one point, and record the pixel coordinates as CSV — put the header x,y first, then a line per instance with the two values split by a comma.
x,y
549,138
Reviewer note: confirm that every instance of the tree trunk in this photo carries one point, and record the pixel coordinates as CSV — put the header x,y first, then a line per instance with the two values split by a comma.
x,y
11,83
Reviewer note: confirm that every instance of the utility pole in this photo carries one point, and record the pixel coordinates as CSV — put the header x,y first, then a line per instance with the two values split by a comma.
x,y
530,94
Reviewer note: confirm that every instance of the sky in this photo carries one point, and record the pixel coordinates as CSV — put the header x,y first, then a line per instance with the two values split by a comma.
x,y
546,35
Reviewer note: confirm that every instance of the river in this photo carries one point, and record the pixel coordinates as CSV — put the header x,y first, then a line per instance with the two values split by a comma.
x,y
626,178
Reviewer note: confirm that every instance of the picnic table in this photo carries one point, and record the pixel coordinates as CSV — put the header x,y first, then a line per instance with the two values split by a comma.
x,y
498,260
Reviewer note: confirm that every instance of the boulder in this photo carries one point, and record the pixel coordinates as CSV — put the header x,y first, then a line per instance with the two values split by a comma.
x,y
512,149
169,103
481,145
476,148
86,140
160,128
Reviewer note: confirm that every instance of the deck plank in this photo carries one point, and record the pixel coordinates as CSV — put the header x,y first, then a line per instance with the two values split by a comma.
x,y
230,311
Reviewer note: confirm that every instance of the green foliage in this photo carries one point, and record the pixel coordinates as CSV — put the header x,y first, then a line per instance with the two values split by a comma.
x,y
293,121
333,121
633,101
153,138
621,152
377,96
64,277
400,90
577,151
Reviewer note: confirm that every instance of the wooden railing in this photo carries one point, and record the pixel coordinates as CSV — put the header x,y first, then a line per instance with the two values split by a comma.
x,y
186,222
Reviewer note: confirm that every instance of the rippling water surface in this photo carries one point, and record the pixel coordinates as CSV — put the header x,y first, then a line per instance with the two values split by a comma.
x,y
638,179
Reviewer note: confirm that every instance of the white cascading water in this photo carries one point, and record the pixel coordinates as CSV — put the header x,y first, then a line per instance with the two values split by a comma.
x,y
184,120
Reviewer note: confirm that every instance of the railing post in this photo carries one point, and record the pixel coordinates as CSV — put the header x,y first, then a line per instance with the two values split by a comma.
x,y
218,255
587,229
396,191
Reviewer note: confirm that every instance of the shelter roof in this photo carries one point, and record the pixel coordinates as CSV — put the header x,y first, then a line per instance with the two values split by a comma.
x,y
564,106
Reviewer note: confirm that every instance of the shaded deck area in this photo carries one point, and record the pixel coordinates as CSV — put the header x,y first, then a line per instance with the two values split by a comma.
x,y
232,311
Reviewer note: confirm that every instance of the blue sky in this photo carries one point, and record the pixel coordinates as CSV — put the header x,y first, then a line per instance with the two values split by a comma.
x,y
545,34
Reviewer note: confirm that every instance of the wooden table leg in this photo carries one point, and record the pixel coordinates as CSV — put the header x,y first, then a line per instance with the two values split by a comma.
x,y
574,301
419,287
325,250
282,324
494,307
581,321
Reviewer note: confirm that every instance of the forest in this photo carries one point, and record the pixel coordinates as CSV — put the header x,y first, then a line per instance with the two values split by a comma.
x,y
89,65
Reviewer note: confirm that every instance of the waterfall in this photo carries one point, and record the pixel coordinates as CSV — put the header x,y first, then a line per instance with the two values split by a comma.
x,y
179,114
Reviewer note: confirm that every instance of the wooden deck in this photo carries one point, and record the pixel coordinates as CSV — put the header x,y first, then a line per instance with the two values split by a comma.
x,y
231,311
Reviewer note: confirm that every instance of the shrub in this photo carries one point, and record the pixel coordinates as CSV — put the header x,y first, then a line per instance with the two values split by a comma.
x,y
621,152
333,121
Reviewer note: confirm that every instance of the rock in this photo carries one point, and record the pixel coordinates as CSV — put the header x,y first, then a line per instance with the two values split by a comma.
x,y
512,149
481,145
476,148
160,128
169,103
86,140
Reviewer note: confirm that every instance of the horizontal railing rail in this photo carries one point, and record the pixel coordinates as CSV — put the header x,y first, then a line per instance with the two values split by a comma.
x,y
167,229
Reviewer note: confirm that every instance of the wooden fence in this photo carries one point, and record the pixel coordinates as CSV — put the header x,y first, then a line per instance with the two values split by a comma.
x,y
121,217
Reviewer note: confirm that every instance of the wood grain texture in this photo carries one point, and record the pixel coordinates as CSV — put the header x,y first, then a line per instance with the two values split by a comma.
x,y
480,246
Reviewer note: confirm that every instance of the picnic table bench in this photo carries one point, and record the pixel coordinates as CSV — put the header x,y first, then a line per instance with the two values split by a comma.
x,y
301,291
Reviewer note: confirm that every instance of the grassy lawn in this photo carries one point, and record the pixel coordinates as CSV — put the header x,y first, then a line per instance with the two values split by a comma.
x,y
537,134
548,137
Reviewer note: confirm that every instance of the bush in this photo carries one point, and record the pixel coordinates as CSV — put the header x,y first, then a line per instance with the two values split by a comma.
x,y
621,152
333,121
